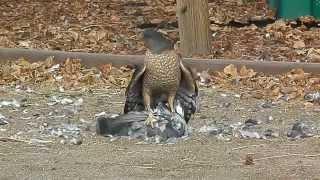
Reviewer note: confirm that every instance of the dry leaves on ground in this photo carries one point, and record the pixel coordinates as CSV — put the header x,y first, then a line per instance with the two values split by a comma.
x,y
70,74
291,85
112,27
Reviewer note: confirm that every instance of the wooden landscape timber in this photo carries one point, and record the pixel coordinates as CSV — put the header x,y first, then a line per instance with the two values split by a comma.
x,y
96,59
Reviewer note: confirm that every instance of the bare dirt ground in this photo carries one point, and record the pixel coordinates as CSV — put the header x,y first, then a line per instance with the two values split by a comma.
x,y
38,155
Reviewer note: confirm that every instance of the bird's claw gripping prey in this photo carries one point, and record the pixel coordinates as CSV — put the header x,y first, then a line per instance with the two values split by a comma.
x,y
151,120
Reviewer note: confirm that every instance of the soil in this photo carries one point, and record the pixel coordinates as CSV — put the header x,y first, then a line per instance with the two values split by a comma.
x,y
201,156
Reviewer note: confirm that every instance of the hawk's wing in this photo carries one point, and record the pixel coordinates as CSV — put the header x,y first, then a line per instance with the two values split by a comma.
x,y
134,98
188,92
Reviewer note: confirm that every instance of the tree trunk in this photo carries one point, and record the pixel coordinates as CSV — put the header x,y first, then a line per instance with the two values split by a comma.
x,y
193,17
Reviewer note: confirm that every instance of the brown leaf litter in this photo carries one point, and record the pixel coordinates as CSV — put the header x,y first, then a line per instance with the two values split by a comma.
x,y
292,85
70,74
112,27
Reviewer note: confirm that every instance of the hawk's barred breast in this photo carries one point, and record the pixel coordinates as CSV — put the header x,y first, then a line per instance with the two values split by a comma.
x,y
162,71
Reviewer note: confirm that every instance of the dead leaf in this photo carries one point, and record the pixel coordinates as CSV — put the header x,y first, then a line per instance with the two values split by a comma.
x,y
246,73
297,74
314,80
275,92
74,34
156,21
100,35
231,70
105,70
315,57
115,18
299,44
249,159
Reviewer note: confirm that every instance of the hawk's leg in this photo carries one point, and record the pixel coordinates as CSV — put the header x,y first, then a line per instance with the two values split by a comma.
x,y
171,98
147,103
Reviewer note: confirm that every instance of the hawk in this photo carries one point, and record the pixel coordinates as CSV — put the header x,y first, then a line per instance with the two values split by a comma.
x,y
162,79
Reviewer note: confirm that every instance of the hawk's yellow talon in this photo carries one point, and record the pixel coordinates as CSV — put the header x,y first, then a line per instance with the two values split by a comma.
x,y
150,120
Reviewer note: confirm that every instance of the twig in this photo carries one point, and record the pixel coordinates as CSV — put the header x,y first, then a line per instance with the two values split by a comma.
x,y
91,26
144,166
204,164
287,155
301,165
8,139
290,144
244,147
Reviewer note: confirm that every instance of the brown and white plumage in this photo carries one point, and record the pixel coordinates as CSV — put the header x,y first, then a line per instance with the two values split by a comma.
x,y
163,77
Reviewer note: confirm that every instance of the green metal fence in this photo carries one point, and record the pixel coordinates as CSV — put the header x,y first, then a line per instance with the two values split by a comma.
x,y
292,9
316,9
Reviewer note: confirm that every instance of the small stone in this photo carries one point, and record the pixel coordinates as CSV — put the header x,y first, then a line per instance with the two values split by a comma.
x,y
225,105
203,116
223,95
300,130
61,89
312,97
237,95
223,138
210,130
270,134
251,122
100,114
266,105
59,133
267,36
76,141
13,103
78,102
45,124
63,141
249,134
65,101
3,120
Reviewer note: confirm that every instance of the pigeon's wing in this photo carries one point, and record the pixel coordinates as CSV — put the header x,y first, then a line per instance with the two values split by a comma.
x,y
134,98
121,125
132,124
187,93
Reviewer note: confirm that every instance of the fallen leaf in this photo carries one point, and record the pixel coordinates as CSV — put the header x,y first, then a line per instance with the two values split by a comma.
x,y
246,73
105,70
297,74
249,159
231,70
299,44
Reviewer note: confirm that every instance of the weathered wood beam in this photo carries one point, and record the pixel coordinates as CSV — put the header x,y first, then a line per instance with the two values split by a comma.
x,y
96,59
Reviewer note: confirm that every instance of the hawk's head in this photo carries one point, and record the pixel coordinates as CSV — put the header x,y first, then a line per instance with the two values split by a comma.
x,y
156,42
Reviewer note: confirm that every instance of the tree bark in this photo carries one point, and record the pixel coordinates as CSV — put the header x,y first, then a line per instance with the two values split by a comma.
x,y
193,17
